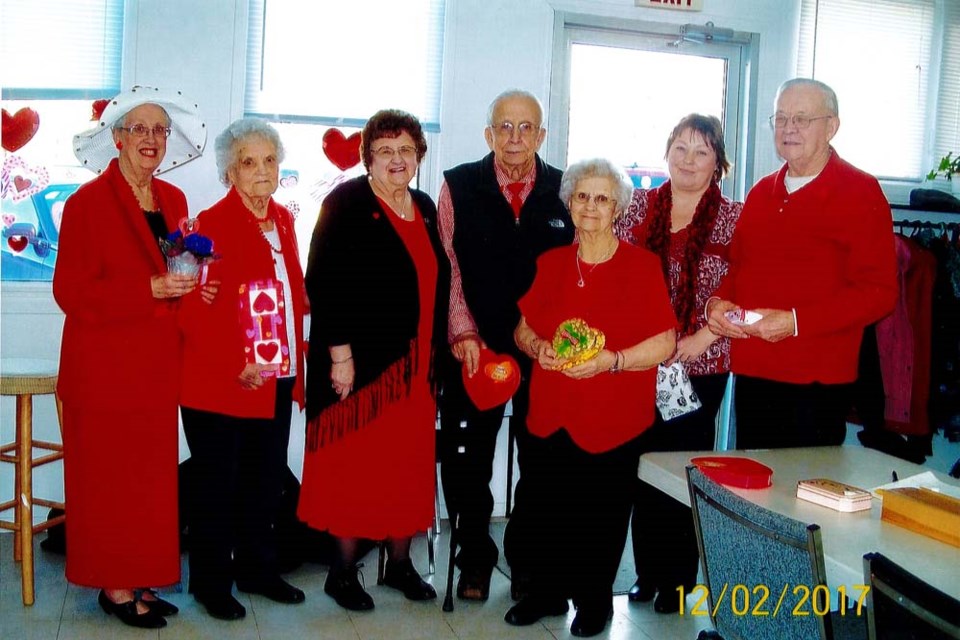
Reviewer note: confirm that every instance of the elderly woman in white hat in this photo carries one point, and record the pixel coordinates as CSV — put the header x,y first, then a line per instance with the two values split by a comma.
x,y
119,361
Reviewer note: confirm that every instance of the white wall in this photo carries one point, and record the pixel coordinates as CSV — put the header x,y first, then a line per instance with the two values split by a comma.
x,y
491,45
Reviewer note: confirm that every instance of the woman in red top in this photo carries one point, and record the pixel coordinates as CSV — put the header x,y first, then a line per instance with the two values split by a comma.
x,y
689,224
120,357
236,408
585,420
379,284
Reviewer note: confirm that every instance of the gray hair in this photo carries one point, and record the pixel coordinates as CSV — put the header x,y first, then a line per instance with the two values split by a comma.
x,y
514,93
598,168
236,132
829,95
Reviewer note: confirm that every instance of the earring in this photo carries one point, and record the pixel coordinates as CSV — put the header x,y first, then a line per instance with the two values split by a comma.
x,y
119,145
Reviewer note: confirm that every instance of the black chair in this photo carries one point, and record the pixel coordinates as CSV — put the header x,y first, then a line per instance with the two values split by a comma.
x,y
748,552
901,606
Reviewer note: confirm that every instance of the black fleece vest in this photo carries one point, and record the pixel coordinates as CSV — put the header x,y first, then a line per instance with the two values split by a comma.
x,y
497,255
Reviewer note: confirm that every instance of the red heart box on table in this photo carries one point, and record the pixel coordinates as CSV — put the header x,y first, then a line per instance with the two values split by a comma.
x,y
732,471
496,380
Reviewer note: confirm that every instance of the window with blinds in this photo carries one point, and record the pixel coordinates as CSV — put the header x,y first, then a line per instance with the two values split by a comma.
x,y
337,63
61,49
895,66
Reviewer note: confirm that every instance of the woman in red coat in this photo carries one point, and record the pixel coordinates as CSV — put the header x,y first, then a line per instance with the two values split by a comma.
x,y
120,356
236,405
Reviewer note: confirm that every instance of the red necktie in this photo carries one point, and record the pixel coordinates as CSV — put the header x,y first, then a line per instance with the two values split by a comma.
x,y
515,201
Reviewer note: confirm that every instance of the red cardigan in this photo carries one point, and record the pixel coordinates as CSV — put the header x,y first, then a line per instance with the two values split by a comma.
x,y
827,251
212,337
120,347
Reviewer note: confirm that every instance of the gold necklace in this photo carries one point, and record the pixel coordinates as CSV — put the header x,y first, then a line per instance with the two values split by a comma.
x,y
580,282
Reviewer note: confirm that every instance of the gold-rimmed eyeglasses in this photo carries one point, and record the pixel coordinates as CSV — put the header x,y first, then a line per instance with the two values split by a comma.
x,y
506,129
601,200
779,121
386,153
142,130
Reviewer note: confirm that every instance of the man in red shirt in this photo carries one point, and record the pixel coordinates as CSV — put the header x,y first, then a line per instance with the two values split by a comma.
x,y
814,256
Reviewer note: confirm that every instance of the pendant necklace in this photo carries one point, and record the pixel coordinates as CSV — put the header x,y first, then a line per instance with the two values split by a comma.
x,y
580,282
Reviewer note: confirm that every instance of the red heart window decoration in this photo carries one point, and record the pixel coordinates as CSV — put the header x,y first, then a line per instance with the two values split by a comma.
x,y
263,303
17,243
19,128
496,380
343,152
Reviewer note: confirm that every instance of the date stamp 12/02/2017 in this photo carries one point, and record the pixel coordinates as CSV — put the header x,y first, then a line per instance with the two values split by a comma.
x,y
763,600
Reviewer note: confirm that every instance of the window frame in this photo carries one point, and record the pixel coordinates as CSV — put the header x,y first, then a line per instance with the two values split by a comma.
x,y
741,91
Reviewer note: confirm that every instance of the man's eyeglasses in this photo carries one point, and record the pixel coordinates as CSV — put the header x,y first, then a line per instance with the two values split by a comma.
x,y
602,201
142,131
386,153
506,129
798,121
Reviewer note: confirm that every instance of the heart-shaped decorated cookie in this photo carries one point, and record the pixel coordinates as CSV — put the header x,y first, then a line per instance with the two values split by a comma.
x,y
495,381
576,342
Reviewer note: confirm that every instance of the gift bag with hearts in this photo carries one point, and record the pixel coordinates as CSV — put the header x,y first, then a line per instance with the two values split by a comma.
x,y
263,322
496,380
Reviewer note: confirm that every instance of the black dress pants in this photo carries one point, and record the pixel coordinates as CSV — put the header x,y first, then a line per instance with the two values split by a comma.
x,y
239,467
580,513
664,539
467,444
776,415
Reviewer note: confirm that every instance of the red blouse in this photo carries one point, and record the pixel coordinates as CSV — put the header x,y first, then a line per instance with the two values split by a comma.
x,y
625,298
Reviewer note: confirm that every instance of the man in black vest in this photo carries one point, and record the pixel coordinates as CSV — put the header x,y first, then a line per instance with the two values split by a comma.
x,y
496,216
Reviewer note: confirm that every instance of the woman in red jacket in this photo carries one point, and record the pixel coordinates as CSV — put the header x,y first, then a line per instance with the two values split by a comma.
x,y
242,369
120,356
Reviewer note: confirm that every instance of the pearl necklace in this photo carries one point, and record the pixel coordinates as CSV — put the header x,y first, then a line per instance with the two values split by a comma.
x,y
580,282
277,250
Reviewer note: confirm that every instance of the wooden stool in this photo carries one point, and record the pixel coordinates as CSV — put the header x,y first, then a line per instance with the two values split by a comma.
x,y
24,378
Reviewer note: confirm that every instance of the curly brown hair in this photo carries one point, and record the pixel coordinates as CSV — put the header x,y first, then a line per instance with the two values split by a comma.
x,y
390,123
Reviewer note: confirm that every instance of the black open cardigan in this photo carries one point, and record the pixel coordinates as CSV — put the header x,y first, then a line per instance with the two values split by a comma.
x,y
363,291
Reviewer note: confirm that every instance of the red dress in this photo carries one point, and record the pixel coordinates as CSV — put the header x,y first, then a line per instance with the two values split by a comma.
x,y
119,376
379,482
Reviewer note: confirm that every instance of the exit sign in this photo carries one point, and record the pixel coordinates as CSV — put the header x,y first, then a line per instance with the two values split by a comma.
x,y
680,5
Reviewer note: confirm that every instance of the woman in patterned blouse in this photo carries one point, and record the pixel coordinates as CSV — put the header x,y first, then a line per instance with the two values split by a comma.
x,y
689,224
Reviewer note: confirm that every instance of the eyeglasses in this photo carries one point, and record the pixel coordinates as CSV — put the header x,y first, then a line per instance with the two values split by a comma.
x,y
506,129
142,131
798,121
386,153
602,201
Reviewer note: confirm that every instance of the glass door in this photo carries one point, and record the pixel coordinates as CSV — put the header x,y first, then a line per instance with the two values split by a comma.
x,y
618,90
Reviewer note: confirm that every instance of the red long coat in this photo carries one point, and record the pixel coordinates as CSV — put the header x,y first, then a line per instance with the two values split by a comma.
x,y
119,368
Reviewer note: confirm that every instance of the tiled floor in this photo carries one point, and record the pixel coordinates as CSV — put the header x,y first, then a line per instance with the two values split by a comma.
x,y
65,611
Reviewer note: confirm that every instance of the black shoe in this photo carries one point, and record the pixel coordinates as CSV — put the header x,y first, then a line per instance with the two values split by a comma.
x,y
344,587
404,577
667,601
221,607
474,584
128,614
159,605
519,585
532,608
590,622
275,588
641,592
